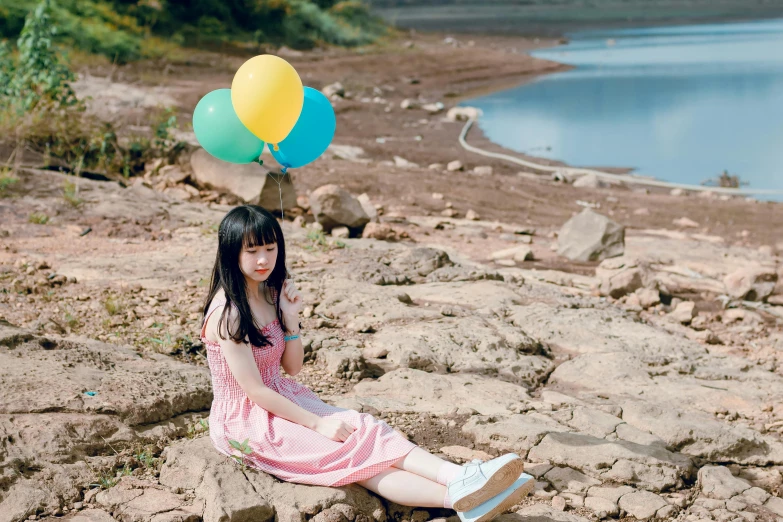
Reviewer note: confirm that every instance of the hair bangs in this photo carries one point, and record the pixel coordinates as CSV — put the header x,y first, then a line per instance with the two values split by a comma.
x,y
258,231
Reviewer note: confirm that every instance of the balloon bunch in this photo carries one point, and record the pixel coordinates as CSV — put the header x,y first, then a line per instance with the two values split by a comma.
x,y
266,103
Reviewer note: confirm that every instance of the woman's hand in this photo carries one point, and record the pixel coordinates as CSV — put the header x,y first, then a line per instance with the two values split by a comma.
x,y
290,302
334,429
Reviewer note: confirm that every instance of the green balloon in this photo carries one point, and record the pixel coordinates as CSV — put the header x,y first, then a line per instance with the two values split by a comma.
x,y
221,133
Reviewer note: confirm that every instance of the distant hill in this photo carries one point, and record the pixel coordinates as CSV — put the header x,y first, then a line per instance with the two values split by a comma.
x,y
550,17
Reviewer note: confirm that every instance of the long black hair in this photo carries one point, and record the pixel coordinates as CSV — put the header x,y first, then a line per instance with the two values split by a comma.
x,y
244,227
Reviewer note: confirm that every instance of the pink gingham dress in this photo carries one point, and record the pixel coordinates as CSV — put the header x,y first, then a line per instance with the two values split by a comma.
x,y
282,448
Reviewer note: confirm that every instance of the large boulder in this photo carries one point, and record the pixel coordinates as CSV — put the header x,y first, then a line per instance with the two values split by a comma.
x,y
591,237
334,206
251,182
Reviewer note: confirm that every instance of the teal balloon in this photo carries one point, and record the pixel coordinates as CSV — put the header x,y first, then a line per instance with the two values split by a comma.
x,y
312,133
221,133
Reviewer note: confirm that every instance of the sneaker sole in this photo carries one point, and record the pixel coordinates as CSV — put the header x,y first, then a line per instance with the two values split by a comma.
x,y
513,499
497,484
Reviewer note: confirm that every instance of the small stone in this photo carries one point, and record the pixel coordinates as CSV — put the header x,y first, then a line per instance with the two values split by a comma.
x,y
678,499
632,303
403,163
433,108
684,312
334,89
648,297
735,505
540,491
407,103
341,232
685,223
437,195
472,215
601,507
642,505
641,212
483,170
519,254
449,212
559,503
454,166
589,236
677,192
379,231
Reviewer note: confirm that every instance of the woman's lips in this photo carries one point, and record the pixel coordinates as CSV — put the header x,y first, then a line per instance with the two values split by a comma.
x,y
263,271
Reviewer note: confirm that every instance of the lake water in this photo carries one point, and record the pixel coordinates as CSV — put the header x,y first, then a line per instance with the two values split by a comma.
x,y
682,103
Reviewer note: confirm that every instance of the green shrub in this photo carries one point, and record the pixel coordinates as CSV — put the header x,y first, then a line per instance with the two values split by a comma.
x,y
118,29
92,26
38,76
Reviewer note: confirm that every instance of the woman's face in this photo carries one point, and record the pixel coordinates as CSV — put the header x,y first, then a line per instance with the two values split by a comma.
x,y
257,262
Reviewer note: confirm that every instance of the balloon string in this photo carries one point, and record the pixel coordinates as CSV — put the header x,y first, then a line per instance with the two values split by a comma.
x,y
284,170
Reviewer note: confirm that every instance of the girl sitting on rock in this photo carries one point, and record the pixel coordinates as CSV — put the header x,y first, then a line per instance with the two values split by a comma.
x,y
251,328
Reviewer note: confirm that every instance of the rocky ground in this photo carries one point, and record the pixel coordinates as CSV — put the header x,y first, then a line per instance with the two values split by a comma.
x,y
649,385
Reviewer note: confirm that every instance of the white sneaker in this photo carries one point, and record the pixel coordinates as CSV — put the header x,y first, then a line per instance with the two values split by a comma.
x,y
480,481
501,503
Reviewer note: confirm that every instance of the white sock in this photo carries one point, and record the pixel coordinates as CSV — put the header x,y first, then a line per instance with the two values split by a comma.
x,y
447,471
447,501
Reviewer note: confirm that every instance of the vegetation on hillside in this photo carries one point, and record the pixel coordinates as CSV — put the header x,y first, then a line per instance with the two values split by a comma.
x,y
126,30
40,112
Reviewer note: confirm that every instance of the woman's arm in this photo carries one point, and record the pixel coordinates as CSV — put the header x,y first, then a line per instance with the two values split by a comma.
x,y
243,367
293,356
239,357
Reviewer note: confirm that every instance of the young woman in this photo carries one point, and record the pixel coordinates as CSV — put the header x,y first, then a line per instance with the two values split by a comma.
x,y
251,329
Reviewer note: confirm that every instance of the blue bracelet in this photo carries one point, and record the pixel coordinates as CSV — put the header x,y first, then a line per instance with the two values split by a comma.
x,y
291,337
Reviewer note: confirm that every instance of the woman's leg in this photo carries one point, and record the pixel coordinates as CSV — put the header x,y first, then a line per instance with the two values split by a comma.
x,y
425,464
406,488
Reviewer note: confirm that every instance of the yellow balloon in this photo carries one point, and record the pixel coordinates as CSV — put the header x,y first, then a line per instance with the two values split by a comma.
x,y
267,95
